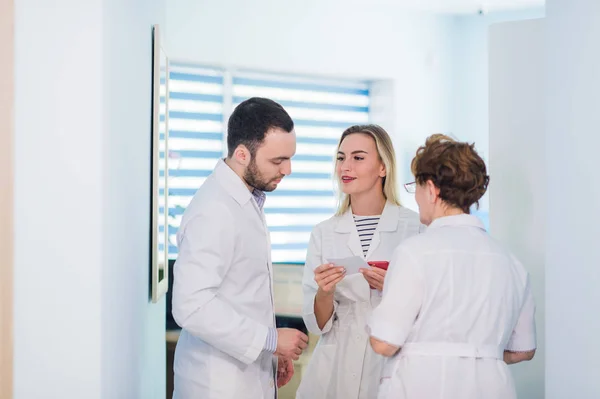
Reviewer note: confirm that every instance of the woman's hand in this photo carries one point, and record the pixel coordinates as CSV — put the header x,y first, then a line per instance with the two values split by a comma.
x,y
375,277
383,348
327,276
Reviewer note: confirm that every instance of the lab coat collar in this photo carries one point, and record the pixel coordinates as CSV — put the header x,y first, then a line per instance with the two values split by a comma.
x,y
457,220
232,183
387,222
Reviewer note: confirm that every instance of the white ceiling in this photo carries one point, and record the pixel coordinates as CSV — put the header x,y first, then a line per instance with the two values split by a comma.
x,y
455,6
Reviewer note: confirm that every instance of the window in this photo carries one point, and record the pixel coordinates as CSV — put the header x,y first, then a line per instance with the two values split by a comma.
x,y
196,138
321,110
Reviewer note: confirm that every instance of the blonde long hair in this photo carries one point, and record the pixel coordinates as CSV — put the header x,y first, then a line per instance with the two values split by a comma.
x,y
386,152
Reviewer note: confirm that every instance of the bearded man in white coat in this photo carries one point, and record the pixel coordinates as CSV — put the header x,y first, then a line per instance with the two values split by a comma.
x,y
229,346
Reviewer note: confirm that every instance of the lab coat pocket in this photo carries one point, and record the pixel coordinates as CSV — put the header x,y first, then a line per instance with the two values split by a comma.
x,y
390,386
318,378
384,388
230,378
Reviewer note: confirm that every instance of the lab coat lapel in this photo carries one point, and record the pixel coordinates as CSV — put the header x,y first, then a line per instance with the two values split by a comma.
x,y
354,243
261,215
234,185
388,222
346,225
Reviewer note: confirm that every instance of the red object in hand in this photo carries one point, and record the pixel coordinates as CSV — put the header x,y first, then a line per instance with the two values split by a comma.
x,y
382,264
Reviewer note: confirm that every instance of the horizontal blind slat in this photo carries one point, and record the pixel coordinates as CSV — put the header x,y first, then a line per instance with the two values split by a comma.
x,y
196,137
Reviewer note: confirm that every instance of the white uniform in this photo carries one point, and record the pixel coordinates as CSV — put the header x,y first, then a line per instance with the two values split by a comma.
x,y
454,300
343,365
222,294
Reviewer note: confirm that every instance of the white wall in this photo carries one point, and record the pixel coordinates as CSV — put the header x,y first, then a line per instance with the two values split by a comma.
x,y
312,37
133,330
572,249
58,199
517,169
436,65
84,327
470,79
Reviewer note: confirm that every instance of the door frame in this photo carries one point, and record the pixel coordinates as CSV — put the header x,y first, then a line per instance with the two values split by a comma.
x,y
7,108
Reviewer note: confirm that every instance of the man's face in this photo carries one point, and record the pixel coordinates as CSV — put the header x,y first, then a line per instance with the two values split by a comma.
x,y
272,160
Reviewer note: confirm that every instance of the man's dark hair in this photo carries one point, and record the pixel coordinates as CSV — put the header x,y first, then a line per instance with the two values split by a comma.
x,y
250,121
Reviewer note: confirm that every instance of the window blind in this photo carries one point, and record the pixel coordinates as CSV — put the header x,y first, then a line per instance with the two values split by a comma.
x,y
196,136
321,110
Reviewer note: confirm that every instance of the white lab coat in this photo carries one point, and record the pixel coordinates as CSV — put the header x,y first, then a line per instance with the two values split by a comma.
x,y
453,300
223,294
343,365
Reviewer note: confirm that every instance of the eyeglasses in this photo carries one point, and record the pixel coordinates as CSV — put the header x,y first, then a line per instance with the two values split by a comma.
x,y
411,187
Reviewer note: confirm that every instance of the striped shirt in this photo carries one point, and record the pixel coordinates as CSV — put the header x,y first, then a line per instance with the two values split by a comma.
x,y
259,197
366,225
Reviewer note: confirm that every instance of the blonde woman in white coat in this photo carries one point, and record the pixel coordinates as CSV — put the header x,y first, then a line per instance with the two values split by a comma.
x,y
369,223
457,306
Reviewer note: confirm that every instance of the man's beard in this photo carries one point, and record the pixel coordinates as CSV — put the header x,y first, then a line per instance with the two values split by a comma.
x,y
255,179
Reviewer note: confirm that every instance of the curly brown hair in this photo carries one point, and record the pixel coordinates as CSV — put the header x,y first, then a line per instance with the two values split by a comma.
x,y
454,167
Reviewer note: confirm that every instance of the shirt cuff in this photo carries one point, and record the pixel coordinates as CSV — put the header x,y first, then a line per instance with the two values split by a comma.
x,y
271,341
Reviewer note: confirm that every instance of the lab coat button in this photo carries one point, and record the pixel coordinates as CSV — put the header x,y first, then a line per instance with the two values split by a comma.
x,y
353,375
271,383
358,337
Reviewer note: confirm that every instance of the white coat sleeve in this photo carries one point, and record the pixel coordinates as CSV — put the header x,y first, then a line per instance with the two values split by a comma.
x,y
523,338
206,247
392,321
310,287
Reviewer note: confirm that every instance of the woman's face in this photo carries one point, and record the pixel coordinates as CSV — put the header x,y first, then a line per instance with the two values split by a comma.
x,y
358,166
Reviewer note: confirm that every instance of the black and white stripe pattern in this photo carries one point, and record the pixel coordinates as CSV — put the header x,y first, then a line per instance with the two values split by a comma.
x,y
366,225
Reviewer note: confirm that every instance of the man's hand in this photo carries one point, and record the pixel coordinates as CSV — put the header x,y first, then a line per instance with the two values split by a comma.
x,y
290,343
375,277
285,371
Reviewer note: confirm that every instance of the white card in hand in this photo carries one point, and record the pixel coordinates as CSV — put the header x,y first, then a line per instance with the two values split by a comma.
x,y
352,264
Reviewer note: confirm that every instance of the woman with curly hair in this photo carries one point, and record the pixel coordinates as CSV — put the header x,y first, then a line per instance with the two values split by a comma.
x,y
457,306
